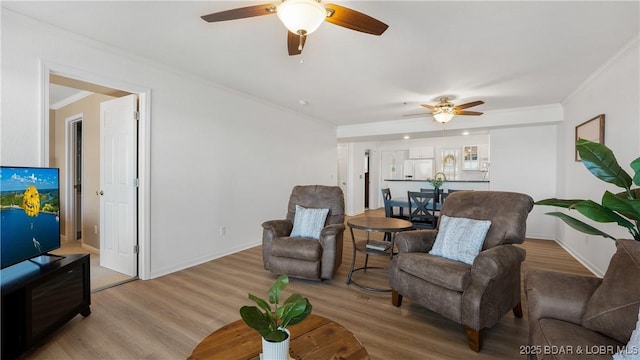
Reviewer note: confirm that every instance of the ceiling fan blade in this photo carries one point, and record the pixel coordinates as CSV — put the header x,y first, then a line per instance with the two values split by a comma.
x,y
420,114
428,107
295,44
351,19
466,112
468,105
241,13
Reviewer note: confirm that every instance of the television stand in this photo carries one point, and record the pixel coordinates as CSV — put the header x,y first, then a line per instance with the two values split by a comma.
x,y
38,299
46,259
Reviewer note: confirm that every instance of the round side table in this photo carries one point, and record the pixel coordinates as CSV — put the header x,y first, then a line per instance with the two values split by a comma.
x,y
374,247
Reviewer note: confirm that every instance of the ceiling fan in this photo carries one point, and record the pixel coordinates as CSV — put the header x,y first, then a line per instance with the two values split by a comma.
x,y
444,110
302,17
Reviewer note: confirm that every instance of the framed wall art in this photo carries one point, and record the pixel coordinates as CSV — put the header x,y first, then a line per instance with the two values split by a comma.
x,y
592,130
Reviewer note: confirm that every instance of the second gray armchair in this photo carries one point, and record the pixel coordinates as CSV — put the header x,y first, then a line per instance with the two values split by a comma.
x,y
475,294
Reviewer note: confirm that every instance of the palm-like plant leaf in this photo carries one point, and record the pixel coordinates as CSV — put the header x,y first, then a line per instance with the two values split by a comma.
x,y
635,165
567,204
601,162
579,225
627,207
599,213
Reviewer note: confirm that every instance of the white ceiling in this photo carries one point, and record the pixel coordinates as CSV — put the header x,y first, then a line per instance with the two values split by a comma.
x,y
509,54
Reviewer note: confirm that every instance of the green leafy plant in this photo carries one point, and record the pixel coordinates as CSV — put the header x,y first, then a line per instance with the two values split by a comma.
x,y
438,180
622,208
271,324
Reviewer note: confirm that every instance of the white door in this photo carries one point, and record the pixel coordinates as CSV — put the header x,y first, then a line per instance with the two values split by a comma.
x,y
118,188
342,167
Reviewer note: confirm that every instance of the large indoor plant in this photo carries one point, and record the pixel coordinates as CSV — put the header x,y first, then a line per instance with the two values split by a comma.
x,y
270,323
622,208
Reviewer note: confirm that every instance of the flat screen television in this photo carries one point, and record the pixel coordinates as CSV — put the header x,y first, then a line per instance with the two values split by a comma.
x,y
30,213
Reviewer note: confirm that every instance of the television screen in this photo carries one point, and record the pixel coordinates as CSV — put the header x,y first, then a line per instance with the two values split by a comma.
x,y
30,213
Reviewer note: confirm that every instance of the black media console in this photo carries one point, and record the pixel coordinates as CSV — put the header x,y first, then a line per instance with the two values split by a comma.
x,y
38,299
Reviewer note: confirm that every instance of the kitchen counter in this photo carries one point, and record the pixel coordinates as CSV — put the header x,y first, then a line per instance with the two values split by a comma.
x,y
400,187
448,181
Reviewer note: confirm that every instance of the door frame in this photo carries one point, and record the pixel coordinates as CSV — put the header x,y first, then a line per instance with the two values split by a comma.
x,y
70,153
144,148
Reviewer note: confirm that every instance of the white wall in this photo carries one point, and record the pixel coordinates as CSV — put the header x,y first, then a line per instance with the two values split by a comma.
x,y
615,92
218,158
523,159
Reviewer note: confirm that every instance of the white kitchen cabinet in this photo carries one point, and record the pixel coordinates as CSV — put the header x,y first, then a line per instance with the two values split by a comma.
x,y
423,152
475,157
470,157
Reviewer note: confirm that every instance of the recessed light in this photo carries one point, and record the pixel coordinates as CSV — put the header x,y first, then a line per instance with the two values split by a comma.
x,y
465,133
406,137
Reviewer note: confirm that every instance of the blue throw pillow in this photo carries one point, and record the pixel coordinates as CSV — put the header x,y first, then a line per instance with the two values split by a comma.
x,y
460,239
308,223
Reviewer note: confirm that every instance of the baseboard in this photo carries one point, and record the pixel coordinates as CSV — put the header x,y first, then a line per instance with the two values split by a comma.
x,y
187,264
91,248
594,270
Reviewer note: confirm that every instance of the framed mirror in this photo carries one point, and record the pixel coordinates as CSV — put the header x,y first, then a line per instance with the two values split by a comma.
x,y
592,130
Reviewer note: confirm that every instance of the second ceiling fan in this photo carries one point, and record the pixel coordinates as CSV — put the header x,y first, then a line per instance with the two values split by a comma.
x,y
445,110
302,17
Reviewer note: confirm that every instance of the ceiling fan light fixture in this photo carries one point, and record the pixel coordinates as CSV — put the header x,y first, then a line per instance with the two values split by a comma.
x,y
301,17
443,117
444,111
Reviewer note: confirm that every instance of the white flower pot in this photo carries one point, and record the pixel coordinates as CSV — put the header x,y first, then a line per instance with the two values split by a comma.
x,y
276,350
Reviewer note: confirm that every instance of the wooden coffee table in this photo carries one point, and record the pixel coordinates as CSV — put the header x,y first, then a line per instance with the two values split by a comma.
x,y
314,338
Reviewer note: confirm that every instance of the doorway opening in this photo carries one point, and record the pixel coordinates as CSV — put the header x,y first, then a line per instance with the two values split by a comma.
x,y
79,136
366,179
73,143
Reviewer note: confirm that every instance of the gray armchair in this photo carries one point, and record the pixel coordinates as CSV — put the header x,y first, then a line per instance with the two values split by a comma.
x,y
303,257
568,311
476,295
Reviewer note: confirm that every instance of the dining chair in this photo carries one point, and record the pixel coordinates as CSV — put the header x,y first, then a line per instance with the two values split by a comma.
x,y
422,209
390,204
437,194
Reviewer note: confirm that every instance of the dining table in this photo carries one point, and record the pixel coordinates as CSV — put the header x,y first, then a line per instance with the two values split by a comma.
x,y
402,204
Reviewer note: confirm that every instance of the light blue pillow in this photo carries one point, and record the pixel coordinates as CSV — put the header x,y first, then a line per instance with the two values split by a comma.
x,y
308,223
460,239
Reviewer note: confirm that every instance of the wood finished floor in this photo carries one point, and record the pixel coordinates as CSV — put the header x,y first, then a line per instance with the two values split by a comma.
x,y
166,318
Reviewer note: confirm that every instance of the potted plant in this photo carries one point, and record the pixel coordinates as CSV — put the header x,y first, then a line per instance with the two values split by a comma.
x,y
272,324
622,208
437,181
